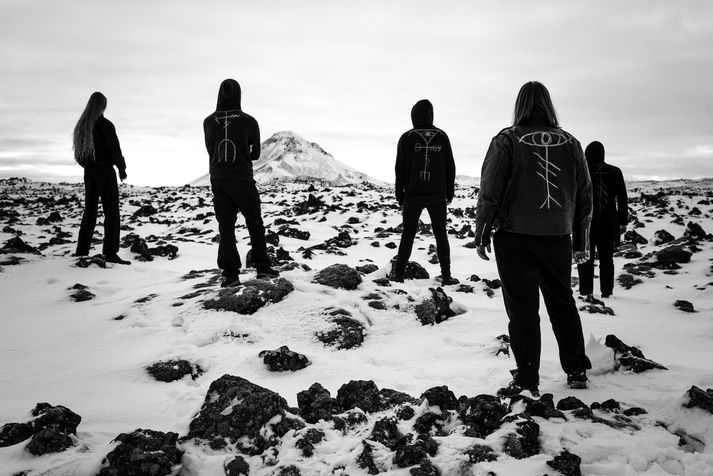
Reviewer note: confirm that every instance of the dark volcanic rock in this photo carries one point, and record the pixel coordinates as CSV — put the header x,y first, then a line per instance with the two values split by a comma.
x,y
237,467
435,309
390,398
145,211
627,281
251,296
672,255
81,293
662,237
283,359
171,370
567,464
685,306
366,459
57,416
49,440
482,415
426,468
632,236
346,332
441,397
577,406
86,261
310,438
412,454
630,357
14,433
480,453
387,433
524,442
363,394
143,453
235,408
315,403
17,245
367,268
695,231
414,270
544,407
339,276
700,399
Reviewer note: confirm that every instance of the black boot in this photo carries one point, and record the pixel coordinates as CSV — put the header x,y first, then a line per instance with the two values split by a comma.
x,y
446,278
267,272
230,280
116,259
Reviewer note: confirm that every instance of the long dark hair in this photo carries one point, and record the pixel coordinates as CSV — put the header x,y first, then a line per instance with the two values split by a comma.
x,y
83,139
534,100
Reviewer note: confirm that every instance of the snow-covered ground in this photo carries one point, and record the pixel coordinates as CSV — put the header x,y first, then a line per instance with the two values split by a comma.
x,y
78,354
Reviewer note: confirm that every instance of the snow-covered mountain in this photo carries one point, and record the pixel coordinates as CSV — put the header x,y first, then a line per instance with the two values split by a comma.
x,y
288,157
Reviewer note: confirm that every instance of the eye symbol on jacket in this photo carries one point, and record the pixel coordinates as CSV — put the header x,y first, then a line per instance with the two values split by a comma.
x,y
226,148
546,170
427,137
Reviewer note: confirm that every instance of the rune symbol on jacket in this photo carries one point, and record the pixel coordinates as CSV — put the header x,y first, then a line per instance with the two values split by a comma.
x,y
547,170
226,147
427,136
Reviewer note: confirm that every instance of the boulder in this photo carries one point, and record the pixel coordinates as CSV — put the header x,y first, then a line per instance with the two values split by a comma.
x,y
435,309
143,453
441,397
630,357
480,453
412,454
311,437
339,276
248,298
524,442
237,467
283,359
81,293
425,468
482,415
363,394
390,398
144,211
345,333
684,306
365,460
235,408
627,281
367,268
672,255
315,403
662,237
17,245
700,398
171,370
695,231
387,433
414,270
544,407
566,463
49,440
14,433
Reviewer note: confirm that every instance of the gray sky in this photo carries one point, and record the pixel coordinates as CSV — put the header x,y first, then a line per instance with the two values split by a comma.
x,y
636,75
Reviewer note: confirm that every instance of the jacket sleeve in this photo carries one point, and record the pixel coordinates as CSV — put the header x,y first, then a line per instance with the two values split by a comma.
x,y
254,141
113,142
494,178
622,205
583,205
450,169
401,170
207,136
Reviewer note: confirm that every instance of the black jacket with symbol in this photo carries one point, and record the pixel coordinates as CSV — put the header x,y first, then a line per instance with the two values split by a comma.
x,y
232,137
424,159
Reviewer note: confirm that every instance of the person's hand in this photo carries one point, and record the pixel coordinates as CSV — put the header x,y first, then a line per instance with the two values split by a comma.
x,y
122,176
622,229
580,257
481,250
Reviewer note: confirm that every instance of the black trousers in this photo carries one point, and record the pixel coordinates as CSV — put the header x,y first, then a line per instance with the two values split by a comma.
x,y
528,264
100,184
601,239
229,198
438,211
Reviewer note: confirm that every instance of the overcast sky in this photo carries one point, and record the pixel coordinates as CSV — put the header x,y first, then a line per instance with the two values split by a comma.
x,y
636,75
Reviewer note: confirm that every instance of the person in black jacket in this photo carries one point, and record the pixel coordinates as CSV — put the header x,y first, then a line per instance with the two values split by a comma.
x,y
97,150
536,192
609,220
425,178
232,138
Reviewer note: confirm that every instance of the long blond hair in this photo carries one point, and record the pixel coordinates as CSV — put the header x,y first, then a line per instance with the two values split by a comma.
x,y
83,138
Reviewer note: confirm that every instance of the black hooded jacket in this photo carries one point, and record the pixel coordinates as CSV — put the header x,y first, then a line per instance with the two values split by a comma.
x,y
611,209
107,151
232,137
424,160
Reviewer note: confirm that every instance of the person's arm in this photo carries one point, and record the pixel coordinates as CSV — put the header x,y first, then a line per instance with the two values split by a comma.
x,y
622,199
450,170
254,142
583,204
401,171
493,183
115,149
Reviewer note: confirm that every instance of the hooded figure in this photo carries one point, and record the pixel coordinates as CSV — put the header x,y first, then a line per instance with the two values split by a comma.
x,y
232,139
609,217
425,178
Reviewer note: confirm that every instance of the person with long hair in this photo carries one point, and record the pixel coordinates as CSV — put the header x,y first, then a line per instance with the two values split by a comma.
x,y
232,139
97,150
536,194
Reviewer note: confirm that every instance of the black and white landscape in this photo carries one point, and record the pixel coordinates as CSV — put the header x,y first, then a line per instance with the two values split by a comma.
x,y
332,369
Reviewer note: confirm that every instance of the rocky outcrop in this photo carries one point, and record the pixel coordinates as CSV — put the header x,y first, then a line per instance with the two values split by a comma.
x,y
630,358
250,297
339,276
171,370
436,309
283,359
143,453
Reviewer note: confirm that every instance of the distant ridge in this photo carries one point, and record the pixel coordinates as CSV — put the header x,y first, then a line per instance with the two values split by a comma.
x,y
287,157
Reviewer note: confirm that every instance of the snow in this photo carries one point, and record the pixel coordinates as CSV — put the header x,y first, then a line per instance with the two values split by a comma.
x,y
76,354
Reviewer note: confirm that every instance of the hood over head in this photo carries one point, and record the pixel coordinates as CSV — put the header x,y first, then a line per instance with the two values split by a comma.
x,y
594,153
229,95
422,113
